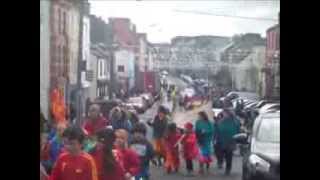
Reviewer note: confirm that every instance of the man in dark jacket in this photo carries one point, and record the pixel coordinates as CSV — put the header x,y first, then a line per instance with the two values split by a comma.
x,y
226,129
159,126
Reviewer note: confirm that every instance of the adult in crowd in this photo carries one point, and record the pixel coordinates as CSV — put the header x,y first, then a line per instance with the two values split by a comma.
x,y
226,129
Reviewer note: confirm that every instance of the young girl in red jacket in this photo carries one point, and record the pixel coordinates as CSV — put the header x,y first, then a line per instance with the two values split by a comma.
x,y
172,161
189,146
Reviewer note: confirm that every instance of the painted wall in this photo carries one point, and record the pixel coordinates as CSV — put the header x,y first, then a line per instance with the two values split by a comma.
x,y
44,56
247,74
86,48
93,84
125,58
73,38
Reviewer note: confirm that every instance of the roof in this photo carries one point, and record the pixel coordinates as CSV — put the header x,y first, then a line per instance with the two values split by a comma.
x,y
228,46
122,32
273,27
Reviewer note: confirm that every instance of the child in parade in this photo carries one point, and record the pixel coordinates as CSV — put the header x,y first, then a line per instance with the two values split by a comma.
x,y
107,159
74,164
129,158
205,133
190,148
56,145
143,148
172,161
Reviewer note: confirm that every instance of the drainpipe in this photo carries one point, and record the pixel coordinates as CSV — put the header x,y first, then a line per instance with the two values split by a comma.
x,y
79,70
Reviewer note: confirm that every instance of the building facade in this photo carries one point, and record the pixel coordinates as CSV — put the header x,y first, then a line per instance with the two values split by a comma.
x,y
64,47
124,69
44,57
272,63
124,35
100,63
248,73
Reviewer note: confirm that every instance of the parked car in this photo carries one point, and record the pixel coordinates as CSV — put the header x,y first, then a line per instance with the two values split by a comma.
x,y
244,95
264,102
251,105
149,98
261,160
271,106
138,103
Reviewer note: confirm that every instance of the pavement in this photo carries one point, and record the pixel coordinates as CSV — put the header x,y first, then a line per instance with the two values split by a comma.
x,y
181,117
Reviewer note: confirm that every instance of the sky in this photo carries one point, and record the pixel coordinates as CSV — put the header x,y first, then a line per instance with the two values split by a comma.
x,y
163,20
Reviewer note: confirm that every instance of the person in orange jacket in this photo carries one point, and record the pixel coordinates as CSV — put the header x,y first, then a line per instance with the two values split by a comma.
x,y
74,164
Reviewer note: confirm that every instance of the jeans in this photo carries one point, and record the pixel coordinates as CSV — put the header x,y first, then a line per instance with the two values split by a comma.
x,y
227,155
143,175
219,154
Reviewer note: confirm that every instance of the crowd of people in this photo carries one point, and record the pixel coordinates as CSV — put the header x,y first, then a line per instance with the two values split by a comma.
x,y
116,148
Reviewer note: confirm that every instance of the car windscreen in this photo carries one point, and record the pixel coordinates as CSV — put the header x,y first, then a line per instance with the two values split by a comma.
x,y
269,130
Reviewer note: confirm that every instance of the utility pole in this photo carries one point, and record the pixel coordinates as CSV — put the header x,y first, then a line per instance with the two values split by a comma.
x,y
79,69
111,89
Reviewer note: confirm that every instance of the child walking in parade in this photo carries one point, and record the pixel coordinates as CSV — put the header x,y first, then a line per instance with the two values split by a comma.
x,y
130,159
74,163
143,148
204,132
189,146
172,161
107,159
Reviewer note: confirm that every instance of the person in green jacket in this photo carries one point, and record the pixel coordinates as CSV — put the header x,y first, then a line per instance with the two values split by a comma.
x,y
225,130
204,131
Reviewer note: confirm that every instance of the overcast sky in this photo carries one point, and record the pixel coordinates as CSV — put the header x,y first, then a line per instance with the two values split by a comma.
x,y
163,20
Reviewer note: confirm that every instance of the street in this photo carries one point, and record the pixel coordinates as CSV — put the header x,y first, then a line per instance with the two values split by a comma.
x,y
180,117
104,63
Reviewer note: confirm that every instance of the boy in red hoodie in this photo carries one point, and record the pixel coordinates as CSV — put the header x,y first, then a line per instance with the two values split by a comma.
x,y
74,164
190,148
172,161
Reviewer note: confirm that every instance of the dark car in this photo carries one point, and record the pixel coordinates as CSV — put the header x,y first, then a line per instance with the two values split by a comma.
x,y
139,103
261,160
